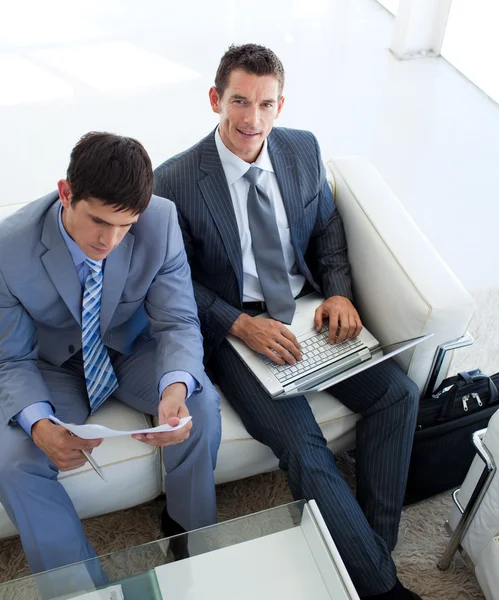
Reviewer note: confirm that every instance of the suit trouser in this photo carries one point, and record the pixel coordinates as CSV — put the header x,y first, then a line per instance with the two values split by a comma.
x,y
51,532
364,530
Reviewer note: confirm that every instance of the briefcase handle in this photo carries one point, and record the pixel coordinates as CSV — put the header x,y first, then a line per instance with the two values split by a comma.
x,y
467,379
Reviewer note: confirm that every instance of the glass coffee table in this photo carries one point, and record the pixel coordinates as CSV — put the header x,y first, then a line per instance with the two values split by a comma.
x,y
285,552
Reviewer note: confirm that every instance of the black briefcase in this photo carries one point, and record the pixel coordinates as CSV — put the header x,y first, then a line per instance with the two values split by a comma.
x,y
442,451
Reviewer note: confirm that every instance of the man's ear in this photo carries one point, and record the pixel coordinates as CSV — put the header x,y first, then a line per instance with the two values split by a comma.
x,y
214,100
64,192
280,104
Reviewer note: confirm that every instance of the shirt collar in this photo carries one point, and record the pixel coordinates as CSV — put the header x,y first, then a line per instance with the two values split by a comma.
x,y
235,167
76,252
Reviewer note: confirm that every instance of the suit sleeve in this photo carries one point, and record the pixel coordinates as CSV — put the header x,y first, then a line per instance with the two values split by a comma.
x,y
216,315
172,310
327,248
21,383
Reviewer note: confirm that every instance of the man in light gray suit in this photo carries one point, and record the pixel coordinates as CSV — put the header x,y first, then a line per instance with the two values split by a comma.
x,y
96,299
261,228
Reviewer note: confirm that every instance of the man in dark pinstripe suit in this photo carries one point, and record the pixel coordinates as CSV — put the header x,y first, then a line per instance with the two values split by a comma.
x,y
208,184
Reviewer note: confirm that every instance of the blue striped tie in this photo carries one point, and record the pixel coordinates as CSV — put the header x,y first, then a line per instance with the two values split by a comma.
x,y
99,374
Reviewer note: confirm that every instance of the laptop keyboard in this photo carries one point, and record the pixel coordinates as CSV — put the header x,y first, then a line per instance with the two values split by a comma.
x,y
316,353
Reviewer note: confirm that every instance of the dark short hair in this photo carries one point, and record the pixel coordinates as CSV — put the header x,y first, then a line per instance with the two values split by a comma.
x,y
252,58
113,169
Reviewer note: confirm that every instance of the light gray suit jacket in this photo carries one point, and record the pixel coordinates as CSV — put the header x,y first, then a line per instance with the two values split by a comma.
x,y
147,292
196,182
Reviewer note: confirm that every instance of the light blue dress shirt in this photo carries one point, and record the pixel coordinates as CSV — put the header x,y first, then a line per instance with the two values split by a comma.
x,y
43,409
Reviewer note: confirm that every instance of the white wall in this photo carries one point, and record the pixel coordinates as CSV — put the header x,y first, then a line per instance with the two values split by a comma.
x,y
70,67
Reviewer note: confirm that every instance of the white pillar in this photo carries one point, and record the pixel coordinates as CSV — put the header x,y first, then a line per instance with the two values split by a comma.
x,y
419,28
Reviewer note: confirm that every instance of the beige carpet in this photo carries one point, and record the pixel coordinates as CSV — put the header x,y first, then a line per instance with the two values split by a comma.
x,y
422,536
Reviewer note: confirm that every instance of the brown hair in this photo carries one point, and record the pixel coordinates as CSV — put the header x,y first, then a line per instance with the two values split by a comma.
x,y
113,169
252,58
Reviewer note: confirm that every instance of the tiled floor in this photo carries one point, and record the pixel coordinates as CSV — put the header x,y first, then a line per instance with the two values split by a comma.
x,y
144,69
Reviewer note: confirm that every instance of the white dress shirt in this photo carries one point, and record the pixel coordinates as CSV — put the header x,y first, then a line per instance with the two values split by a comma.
x,y
235,168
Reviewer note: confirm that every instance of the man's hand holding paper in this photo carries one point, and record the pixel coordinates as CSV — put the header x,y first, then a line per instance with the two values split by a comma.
x,y
63,449
171,410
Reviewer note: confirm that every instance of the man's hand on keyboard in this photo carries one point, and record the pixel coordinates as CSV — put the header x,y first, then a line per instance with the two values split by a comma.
x,y
268,337
344,320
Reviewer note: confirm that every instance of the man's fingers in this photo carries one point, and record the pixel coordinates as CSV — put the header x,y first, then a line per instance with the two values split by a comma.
x,y
349,327
333,327
344,329
289,335
285,355
274,357
358,327
353,326
318,319
288,341
69,461
161,443
169,413
77,443
282,351
91,444
185,428
167,438
61,447
344,320
292,349
76,464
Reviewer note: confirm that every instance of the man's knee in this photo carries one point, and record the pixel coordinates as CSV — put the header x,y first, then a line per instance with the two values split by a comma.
x,y
400,389
204,407
409,394
204,438
20,460
295,441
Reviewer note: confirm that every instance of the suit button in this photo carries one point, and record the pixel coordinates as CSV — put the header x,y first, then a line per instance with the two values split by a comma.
x,y
71,349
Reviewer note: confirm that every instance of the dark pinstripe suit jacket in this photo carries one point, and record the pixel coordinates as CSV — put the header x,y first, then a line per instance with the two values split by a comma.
x,y
195,181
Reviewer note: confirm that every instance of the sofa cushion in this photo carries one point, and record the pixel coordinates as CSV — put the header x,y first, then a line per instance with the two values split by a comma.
x,y
241,456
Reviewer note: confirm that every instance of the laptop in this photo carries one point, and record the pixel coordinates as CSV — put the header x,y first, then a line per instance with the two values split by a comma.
x,y
322,364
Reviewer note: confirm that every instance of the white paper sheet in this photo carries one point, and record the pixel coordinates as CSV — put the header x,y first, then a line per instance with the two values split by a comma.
x,y
94,431
113,592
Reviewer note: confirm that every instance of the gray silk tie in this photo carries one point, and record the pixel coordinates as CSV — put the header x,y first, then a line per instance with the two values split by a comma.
x,y
267,249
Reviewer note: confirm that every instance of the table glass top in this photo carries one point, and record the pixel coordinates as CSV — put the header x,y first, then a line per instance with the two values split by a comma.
x,y
134,571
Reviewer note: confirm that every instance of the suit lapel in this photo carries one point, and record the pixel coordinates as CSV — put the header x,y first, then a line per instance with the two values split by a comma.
x,y
287,178
116,271
216,195
59,264
287,174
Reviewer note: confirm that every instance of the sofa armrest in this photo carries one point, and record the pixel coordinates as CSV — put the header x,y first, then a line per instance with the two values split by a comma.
x,y
402,286
484,524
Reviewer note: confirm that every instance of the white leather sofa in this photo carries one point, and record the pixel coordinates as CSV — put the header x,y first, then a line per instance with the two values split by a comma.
x,y
403,289
480,536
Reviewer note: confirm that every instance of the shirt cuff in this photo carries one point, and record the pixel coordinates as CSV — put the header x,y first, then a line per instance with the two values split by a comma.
x,y
179,377
33,413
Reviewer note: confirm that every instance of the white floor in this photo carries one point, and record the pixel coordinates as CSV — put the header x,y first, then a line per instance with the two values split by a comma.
x,y
144,69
